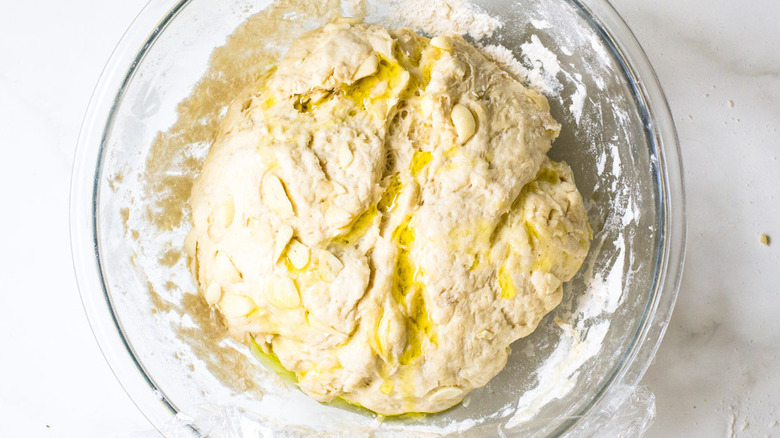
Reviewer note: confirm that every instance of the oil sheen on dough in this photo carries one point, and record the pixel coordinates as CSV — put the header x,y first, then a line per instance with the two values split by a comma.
x,y
378,211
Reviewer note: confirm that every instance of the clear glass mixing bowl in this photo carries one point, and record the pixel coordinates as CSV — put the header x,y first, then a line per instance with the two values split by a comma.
x,y
617,135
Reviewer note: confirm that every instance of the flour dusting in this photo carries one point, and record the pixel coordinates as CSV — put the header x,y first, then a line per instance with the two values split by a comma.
x,y
545,63
558,375
507,61
437,17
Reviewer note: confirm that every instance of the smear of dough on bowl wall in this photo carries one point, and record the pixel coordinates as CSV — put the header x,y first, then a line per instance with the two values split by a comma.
x,y
378,212
385,227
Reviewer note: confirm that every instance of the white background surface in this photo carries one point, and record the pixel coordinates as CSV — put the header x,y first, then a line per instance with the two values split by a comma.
x,y
717,372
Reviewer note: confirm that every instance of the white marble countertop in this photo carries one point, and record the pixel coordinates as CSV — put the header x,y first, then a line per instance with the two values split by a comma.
x,y
716,373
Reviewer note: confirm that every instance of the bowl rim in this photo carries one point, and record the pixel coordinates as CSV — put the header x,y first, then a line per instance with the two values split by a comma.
x,y
666,166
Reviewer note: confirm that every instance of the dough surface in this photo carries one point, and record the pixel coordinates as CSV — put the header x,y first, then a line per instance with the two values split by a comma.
x,y
378,211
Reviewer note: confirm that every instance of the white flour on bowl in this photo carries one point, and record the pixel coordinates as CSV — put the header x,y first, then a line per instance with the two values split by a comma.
x,y
437,17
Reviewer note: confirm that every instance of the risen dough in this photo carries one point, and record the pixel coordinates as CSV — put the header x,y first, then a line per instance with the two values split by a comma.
x,y
379,212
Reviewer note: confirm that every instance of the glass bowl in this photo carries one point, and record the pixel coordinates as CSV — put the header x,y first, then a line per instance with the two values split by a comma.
x,y
143,139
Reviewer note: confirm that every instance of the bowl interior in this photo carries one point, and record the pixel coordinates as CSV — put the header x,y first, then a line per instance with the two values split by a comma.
x,y
158,134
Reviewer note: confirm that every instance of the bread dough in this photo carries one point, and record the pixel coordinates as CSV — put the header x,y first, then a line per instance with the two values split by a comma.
x,y
378,211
